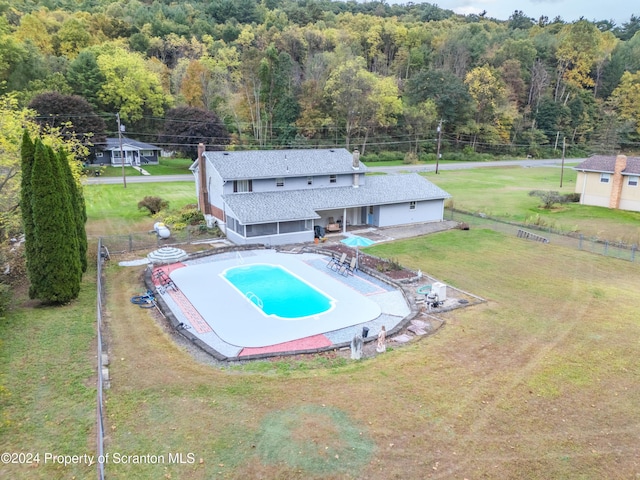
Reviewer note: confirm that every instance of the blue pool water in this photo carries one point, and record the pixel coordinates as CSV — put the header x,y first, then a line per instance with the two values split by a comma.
x,y
277,291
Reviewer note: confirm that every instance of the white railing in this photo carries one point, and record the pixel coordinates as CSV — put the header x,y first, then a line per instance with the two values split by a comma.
x,y
255,299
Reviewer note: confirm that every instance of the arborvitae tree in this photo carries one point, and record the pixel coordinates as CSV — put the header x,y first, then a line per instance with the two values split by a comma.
x,y
78,209
26,194
57,273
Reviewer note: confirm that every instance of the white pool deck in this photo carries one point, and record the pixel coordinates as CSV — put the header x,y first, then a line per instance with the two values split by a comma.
x,y
230,322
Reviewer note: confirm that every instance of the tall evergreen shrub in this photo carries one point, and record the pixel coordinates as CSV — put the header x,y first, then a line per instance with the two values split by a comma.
x,y
27,152
78,208
57,273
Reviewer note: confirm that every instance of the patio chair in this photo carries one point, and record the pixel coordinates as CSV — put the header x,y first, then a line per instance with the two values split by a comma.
x,y
332,226
348,267
336,264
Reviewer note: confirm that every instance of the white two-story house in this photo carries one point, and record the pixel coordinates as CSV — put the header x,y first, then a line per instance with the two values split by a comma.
x,y
277,197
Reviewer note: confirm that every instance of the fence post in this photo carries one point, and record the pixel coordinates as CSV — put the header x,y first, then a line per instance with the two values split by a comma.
x,y
580,241
606,247
633,252
130,243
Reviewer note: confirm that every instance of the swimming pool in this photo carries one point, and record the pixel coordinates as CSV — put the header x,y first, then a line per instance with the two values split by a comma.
x,y
276,291
239,322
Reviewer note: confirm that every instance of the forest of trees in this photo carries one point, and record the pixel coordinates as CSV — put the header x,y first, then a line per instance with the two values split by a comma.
x,y
285,73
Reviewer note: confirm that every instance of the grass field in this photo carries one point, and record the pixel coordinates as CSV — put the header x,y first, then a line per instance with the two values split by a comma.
x,y
166,166
113,209
48,385
504,193
540,382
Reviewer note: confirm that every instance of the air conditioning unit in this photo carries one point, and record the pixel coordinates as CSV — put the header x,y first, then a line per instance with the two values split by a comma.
x,y
439,289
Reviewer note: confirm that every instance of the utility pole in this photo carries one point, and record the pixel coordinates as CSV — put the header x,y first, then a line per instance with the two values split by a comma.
x,y
439,129
562,168
124,177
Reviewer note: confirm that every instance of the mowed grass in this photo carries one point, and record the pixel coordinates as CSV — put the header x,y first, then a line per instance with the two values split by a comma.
x,y
48,386
166,166
170,166
539,382
113,209
504,193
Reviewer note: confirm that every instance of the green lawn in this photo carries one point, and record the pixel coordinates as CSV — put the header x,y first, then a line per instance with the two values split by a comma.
x,y
503,192
48,384
166,166
170,166
537,383
113,209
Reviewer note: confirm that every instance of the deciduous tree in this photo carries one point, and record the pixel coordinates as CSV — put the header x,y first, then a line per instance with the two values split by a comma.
x,y
185,127
626,99
130,87
72,113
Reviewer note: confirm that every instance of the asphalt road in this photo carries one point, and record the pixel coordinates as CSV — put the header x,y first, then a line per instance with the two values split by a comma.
x,y
139,179
556,162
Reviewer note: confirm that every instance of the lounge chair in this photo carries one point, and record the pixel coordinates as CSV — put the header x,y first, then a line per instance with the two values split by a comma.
x,y
332,260
336,264
348,267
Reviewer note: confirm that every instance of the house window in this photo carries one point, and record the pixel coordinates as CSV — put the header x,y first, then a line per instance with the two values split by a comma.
x,y
147,153
604,177
242,186
280,182
333,178
309,180
412,205
633,181
99,155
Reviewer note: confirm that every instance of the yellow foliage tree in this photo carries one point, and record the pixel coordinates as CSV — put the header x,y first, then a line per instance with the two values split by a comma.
x,y
626,98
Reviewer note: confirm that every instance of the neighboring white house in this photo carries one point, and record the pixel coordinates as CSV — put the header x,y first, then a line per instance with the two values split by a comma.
x,y
133,152
608,181
279,196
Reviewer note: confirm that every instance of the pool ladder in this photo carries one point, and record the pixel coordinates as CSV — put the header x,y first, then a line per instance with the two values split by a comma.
x,y
255,299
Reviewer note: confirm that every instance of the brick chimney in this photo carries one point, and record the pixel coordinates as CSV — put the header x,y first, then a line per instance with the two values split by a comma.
x,y
203,194
356,166
617,181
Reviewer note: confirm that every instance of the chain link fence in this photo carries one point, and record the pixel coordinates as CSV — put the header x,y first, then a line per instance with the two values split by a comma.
x,y
100,365
594,245
150,241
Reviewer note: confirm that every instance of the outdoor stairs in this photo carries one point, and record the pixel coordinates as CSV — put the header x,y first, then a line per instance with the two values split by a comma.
x,y
141,170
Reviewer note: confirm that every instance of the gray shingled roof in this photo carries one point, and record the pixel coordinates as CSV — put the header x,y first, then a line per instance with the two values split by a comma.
x,y
286,205
606,164
114,144
254,164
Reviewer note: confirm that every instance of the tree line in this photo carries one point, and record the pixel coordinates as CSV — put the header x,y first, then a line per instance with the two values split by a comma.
x,y
285,73
305,73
